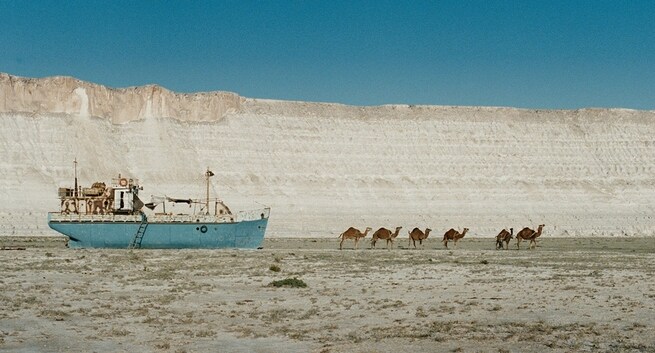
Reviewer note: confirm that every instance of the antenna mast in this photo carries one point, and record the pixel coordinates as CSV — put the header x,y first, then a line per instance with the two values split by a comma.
x,y
75,168
208,174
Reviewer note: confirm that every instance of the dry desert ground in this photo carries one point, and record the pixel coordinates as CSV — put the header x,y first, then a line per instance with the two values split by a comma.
x,y
567,295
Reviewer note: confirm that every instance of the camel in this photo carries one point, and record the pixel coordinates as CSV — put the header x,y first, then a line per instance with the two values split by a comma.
x,y
417,234
529,234
504,236
454,235
385,234
353,233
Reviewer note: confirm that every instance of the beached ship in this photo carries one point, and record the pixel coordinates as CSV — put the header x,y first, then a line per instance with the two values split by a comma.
x,y
112,216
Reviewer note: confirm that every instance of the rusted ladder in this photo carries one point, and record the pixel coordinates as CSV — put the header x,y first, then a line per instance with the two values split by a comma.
x,y
138,236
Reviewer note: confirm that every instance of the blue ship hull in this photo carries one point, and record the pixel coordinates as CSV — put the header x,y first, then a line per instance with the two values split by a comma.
x,y
247,234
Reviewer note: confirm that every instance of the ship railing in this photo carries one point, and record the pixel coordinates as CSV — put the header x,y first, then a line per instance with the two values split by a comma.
x,y
249,215
80,217
252,215
240,216
188,218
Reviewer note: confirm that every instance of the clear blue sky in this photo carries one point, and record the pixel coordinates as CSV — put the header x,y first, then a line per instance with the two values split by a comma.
x,y
523,53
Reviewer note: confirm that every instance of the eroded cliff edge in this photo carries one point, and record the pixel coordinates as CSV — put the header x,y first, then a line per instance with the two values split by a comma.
x,y
67,95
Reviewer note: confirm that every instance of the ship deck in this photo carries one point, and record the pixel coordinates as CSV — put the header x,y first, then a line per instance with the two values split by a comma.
x,y
160,218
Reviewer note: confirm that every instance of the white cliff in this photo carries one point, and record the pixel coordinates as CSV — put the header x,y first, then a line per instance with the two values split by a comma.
x,y
325,167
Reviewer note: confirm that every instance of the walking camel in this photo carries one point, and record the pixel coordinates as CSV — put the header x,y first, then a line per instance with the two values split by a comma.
x,y
417,234
453,235
353,233
384,233
504,236
529,234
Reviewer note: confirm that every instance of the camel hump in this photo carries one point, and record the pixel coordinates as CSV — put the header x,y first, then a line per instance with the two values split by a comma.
x,y
450,234
348,231
381,232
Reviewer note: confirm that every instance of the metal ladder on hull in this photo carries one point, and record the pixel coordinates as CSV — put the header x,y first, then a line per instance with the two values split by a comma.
x,y
138,236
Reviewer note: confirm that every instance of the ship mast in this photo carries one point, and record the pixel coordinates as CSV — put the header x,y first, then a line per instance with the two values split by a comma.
x,y
208,174
75,169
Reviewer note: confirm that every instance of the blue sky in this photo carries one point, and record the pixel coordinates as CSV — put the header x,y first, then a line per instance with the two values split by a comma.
x,y
529,54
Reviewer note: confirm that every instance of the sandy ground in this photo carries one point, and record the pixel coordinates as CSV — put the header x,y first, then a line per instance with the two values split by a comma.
x,y
569,294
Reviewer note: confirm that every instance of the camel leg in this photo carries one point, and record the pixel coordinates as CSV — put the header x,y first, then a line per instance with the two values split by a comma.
x,y
356,242
341,244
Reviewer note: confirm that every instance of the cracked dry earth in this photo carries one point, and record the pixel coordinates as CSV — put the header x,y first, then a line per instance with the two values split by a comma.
x,y
569,294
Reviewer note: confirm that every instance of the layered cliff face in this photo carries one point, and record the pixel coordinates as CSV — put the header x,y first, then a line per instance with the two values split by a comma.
x,y
325,167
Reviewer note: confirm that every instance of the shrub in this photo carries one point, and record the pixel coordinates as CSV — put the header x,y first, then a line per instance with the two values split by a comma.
x,y
289,282
275,268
